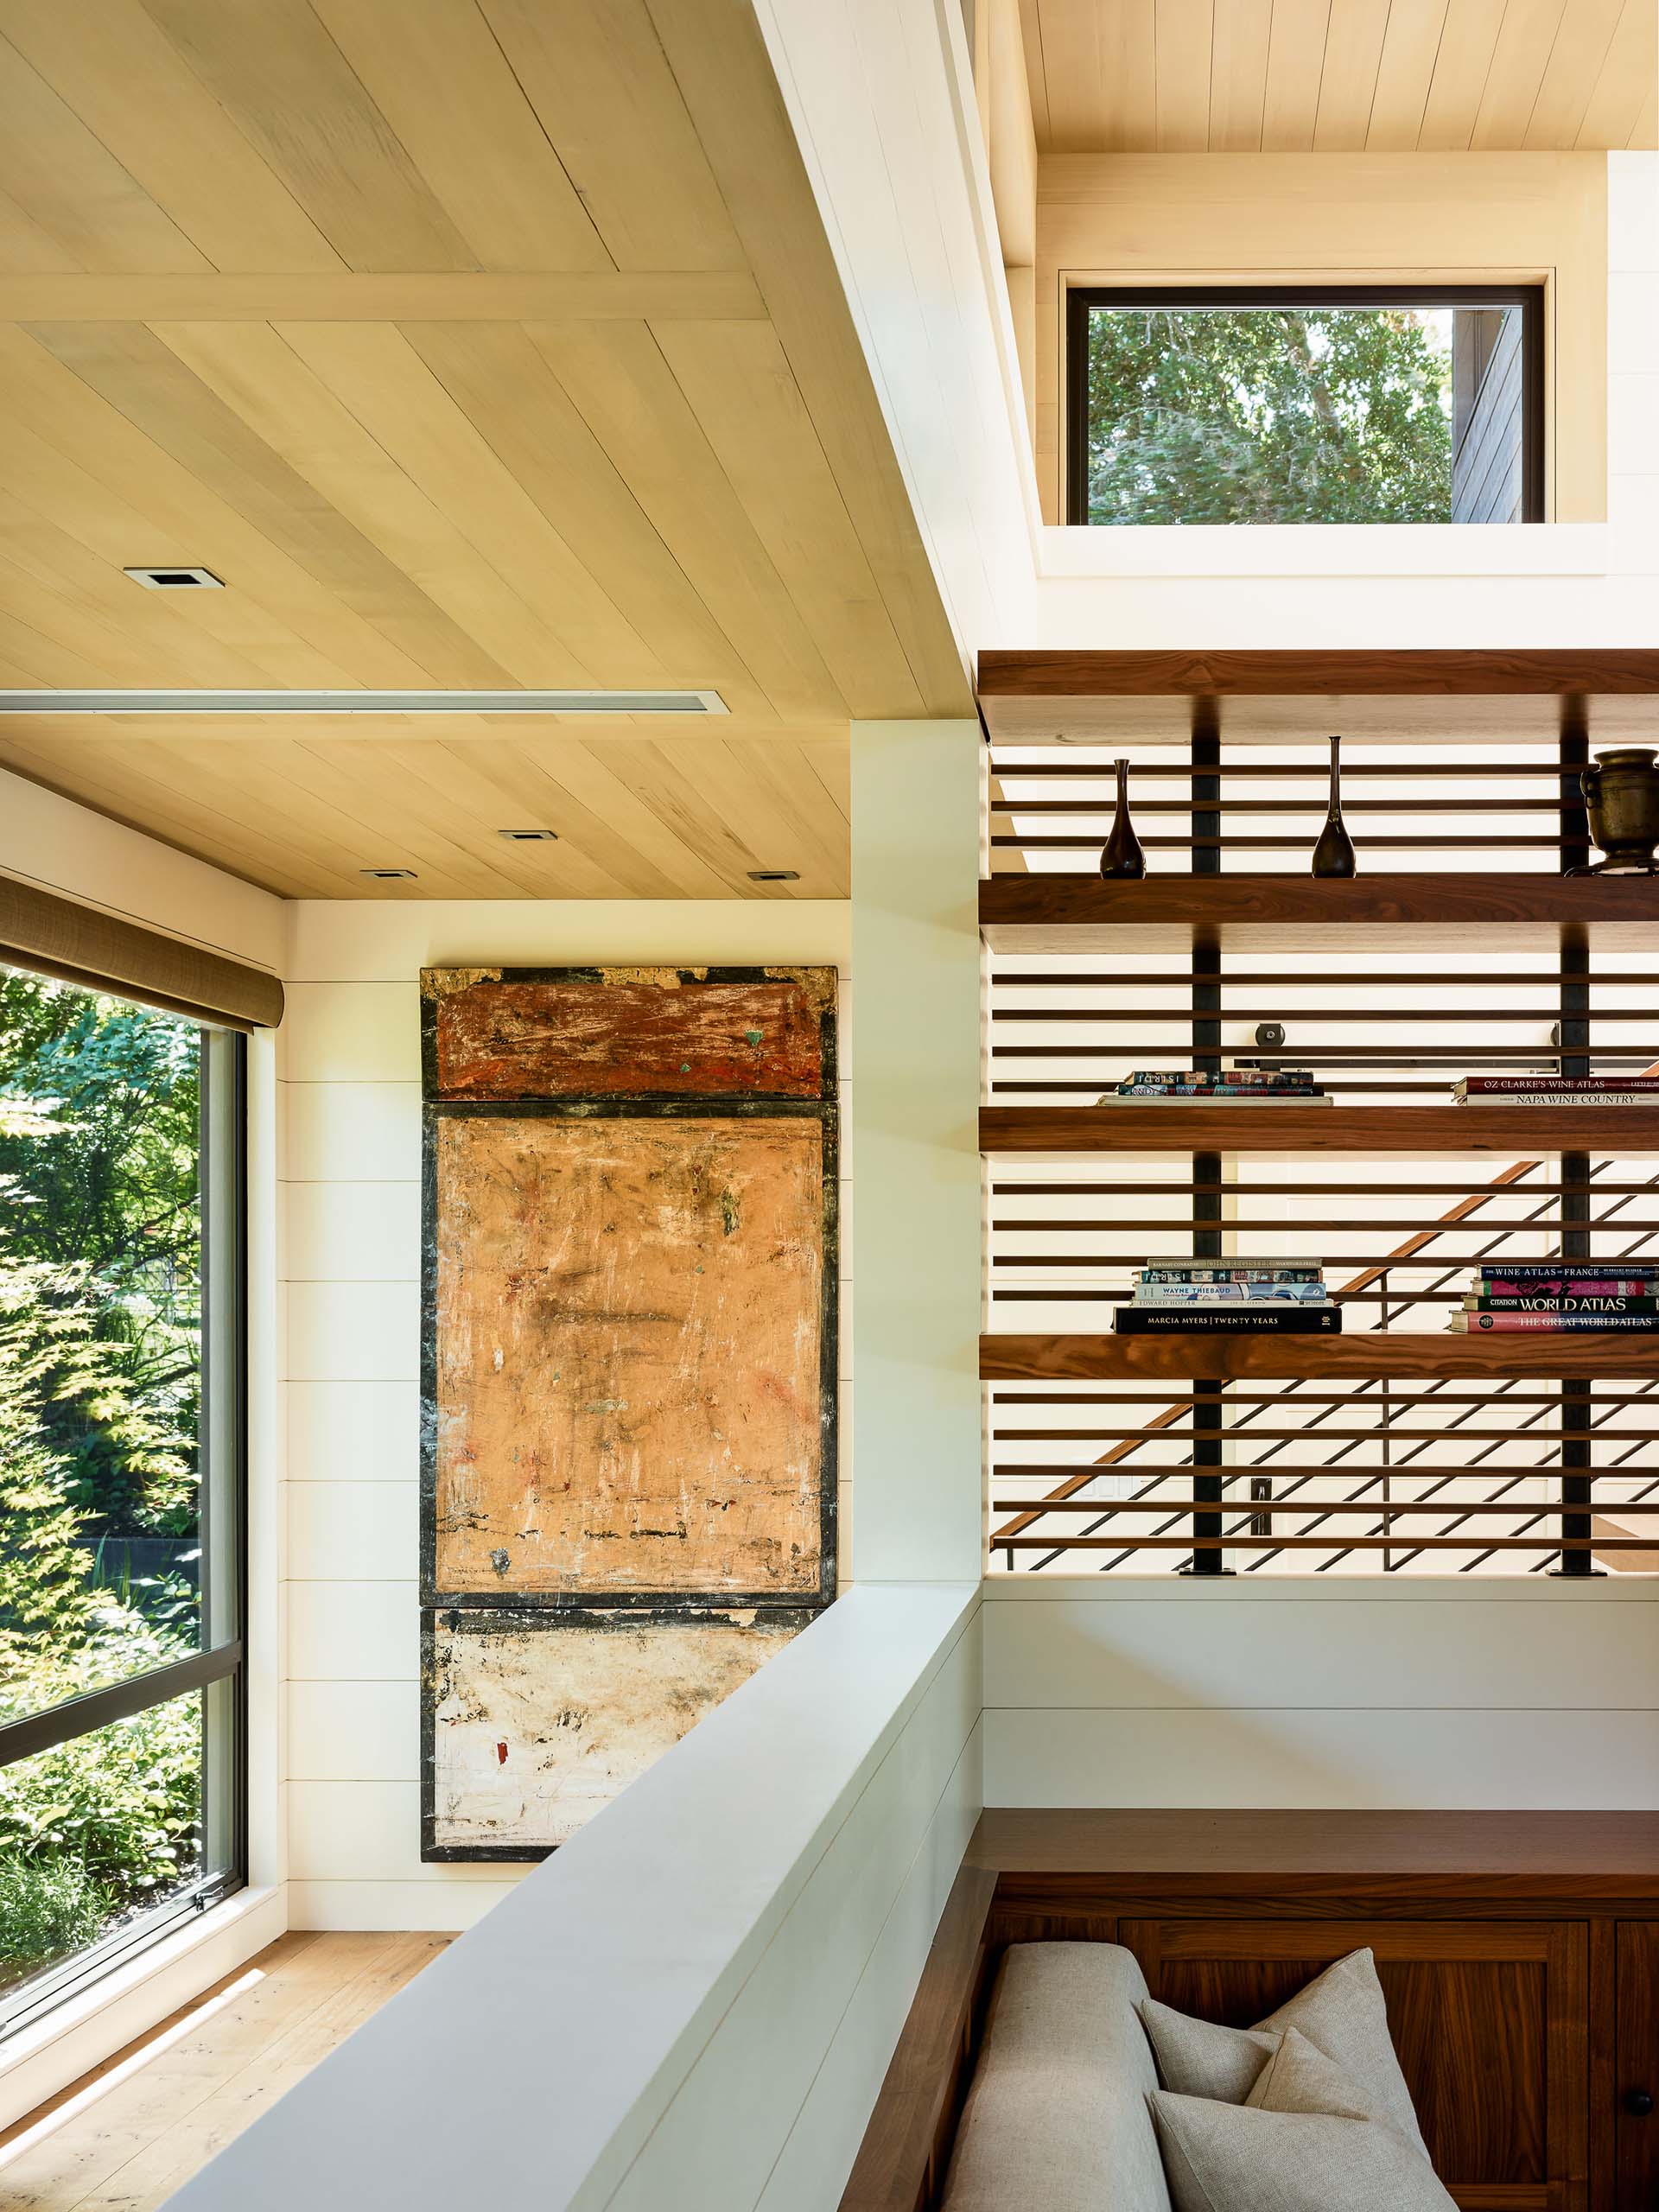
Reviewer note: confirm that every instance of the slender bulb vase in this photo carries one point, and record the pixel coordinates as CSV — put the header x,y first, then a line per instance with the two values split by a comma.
x,y
1334,854
1122,856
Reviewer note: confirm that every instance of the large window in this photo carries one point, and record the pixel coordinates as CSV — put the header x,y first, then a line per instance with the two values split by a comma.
x,y
121,1457
1345,405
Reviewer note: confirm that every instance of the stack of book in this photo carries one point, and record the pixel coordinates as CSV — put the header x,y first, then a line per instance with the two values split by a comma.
x,y
1174,1295
1562,1294
1557,1090
1232,1087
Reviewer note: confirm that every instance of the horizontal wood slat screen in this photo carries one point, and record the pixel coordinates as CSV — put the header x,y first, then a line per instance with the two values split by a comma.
x,y
54,936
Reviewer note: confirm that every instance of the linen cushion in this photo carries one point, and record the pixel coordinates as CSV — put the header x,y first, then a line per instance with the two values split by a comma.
x,y
1236,2158
1058,2118
1341,2012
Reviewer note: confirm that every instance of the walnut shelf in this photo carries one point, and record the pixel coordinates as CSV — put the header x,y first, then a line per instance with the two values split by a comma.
x,y
1518,1132
1294,913
1206,1355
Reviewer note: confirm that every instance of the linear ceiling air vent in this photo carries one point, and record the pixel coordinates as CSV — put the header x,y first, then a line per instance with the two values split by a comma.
x,y
530,837
389,874
315,703
774,876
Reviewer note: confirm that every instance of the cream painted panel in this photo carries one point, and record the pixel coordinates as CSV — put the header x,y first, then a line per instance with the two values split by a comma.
x,y
359,1832
354,1432
352,1232
417,1906
1633,212
1352,1651
1381,1758
341,1132
348,1330
352,1532
715,2145
351,1634
353,1032
353,1732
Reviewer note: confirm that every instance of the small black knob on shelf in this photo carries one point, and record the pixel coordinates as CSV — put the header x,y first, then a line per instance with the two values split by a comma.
x,y
1638,2102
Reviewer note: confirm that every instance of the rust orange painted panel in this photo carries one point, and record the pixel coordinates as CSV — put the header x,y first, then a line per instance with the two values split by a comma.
x,y
629,1330
631,1033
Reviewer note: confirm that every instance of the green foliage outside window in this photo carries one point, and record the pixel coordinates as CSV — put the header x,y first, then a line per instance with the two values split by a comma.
x,y
1268,414
99,1384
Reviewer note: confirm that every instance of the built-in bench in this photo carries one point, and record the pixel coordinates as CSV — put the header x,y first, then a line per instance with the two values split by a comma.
x,y
1519,1953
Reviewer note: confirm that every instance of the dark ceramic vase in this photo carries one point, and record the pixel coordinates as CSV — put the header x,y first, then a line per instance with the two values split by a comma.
x,y
1122,856
1622,793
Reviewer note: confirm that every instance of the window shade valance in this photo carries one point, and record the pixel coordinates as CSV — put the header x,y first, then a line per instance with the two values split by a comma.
x,y
78,944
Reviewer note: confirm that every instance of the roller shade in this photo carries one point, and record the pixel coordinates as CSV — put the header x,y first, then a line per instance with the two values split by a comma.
x,y
78,944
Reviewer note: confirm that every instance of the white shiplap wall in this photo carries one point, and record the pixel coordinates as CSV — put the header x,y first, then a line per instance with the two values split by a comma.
x,y
350,1215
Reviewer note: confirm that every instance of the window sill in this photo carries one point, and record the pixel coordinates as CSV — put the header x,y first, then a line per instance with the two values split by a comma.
x,y
87,2028
1328,549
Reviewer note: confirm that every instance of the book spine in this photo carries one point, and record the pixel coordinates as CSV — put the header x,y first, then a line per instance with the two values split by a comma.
x,y
1182,1273
1572,1098
1289,1320
1546,1271
1566,1304
1503,1322
1228,1294
1568,1086
1502,1290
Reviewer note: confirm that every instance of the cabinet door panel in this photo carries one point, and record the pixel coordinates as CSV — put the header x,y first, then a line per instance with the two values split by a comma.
x,y
1489,2020
1638,2064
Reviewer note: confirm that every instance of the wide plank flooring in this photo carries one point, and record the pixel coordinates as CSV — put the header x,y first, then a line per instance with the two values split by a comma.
x,y
125,2136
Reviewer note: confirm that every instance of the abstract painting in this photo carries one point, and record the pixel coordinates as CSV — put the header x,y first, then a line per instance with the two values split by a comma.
x,y
628,1369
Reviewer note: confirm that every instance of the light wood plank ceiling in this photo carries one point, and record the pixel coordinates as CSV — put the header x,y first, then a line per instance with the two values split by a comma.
x,y
1342,76
473,343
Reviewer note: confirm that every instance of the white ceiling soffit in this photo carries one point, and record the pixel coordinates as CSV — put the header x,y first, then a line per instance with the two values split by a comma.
x,y
361,703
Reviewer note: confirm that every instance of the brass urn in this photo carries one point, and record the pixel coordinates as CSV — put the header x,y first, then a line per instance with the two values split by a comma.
x,y
1622,793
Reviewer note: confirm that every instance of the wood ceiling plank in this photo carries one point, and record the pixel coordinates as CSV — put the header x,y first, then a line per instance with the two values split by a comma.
x,y
612,823
1467,44
598,81
53,295
1127,103
109,61
538,780
1353,52
97,517
1623,88
27,249
435,71
1645,131
477,797
139,376
1519,59
737,380
398,826
347,479
721,63
70,420
1184,31
292,94
1239,76
1295,65
831,761
655,775
42,658
375,371
161,631
1404,73
1031,27
516,402
616,376
111,780
1075,35
73,187
784,800
1575,60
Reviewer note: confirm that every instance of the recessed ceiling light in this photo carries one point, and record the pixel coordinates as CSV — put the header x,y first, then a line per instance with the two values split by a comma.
x,y
774,876
172,579
389,874
530,837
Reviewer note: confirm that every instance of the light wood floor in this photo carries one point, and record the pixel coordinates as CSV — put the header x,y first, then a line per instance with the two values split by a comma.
x,y
124,2137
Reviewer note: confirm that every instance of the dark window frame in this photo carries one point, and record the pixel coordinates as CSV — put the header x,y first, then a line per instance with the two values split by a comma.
x,y
218,1672
1528,298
